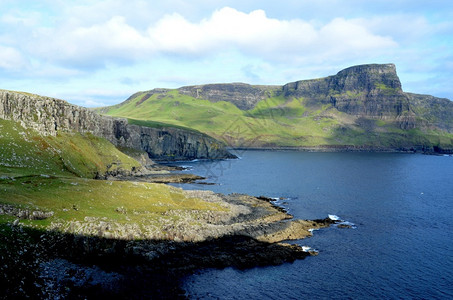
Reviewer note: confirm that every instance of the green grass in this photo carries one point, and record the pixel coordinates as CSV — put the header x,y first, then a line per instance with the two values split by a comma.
x,y
56,174
275,121
74,199
154,124
25,152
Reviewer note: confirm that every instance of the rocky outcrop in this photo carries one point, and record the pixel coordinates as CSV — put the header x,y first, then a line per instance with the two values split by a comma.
x,y
49,115
438,112
370,91
244,96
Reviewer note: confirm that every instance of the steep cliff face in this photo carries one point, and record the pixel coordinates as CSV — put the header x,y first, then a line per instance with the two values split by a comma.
x,y
438,112
372,91
244,96
361,106
49,115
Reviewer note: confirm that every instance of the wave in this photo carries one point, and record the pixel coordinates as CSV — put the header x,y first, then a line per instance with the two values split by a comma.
x,y
334,218
340,222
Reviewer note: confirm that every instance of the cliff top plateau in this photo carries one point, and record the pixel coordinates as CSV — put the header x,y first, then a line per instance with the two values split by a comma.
x,y
360,108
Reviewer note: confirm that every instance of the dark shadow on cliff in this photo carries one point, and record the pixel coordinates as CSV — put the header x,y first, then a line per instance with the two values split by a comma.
x,y
369,137
45,264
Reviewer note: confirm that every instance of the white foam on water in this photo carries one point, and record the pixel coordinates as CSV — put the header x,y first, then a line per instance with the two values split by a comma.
x,y
341,222
309,249
334,217
347,223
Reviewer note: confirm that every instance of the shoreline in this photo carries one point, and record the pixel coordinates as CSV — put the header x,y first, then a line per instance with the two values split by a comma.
x,y
104,259
349,148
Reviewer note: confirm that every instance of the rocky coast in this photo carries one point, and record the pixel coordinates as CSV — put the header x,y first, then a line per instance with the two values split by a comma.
x,y
98,256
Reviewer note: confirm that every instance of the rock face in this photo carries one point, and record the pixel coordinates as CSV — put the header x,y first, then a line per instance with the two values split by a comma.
x,y
244,96
437,111
371,91
49,115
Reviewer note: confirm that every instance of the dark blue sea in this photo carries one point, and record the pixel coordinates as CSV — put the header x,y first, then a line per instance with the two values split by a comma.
x,y
401,204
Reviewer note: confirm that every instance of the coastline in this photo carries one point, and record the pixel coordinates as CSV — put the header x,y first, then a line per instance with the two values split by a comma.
x,y
349,148
105,257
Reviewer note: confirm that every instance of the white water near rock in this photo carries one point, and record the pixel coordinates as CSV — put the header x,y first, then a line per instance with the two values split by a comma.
x,y
378,193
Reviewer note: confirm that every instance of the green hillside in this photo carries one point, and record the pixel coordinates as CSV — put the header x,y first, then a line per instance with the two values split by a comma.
x,y
49,200
276,121
57,174
25,152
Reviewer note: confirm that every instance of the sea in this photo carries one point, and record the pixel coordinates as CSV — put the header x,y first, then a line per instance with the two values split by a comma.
x,y
400,207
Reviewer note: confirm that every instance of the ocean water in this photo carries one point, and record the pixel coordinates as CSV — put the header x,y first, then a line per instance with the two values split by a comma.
x,y
402,205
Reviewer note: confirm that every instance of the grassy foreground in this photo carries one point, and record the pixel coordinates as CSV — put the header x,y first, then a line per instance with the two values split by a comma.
x,y
55,175
49,198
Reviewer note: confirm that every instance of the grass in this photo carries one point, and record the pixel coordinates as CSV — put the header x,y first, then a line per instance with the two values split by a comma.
x,y
24,152
75,199
47,173
275,121
154,124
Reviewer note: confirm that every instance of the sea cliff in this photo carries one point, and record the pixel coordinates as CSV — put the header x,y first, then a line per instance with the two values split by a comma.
x,y
360,107
49,115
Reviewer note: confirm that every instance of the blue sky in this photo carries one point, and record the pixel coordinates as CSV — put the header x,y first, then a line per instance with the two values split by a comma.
x,y
95,53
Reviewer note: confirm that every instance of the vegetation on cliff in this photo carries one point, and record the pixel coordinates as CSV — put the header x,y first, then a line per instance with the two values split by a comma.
x,y
66,231
50,116
362,107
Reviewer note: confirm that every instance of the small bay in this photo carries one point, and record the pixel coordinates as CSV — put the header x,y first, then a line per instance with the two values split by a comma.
x,y
402,205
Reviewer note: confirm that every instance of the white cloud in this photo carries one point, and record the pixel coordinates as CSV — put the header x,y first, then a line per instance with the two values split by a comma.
x,y
11,59
114,39
136,44
257,34
226,29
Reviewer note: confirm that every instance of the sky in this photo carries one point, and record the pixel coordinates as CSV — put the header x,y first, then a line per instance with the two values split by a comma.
x,y
97,53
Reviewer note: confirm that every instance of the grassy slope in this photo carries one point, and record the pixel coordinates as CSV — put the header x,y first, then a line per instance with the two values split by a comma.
x,y
53,174
74,199
24,152
276,121
47,174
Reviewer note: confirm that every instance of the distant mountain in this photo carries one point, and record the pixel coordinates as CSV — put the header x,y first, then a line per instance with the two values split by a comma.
x,y
360,108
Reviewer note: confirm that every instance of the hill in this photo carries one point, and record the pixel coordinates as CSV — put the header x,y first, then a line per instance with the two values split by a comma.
x,y
50,117
72,203
360,108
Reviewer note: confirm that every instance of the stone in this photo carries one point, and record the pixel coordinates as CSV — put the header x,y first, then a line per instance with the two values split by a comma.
x,y
49,115
244,96
366,91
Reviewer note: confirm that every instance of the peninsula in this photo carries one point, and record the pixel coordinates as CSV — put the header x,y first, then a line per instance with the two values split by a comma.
x,y
81,214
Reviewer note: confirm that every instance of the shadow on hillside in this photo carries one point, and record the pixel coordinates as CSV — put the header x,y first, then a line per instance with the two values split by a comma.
x,y
375,139
43,264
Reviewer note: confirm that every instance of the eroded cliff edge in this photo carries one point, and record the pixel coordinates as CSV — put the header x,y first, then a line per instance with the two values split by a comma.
x,y
361,108
48,116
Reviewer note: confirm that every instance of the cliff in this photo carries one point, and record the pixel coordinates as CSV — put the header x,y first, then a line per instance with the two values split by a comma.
x,y
243,95
49,116
372,91
361,107
438,112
